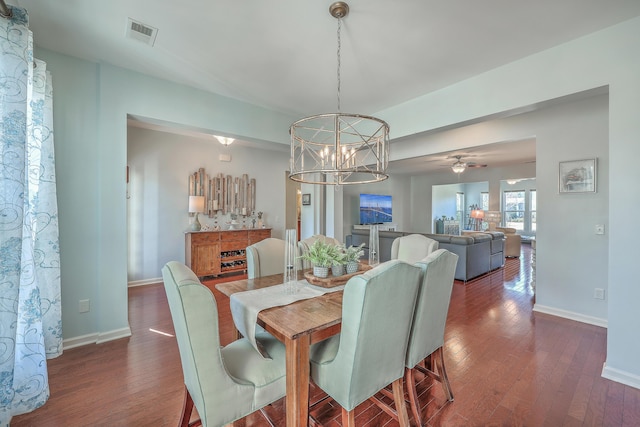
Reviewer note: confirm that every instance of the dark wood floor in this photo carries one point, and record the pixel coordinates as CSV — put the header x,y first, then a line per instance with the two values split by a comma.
x,y
508,366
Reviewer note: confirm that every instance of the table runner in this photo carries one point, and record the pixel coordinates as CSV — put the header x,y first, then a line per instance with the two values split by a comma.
x,y
246,305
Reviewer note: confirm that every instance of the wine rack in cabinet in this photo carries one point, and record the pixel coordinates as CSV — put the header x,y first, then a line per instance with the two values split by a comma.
x,y
212,253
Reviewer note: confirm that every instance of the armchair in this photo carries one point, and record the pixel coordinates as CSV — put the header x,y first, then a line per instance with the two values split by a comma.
x,y
224,383
513,242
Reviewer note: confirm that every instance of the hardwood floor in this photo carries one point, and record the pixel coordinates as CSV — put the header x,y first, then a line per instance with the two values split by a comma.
x,y
507,365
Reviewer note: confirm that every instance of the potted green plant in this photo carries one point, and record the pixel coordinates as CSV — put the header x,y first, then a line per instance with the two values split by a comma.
x,y
322,256
352,256
337,269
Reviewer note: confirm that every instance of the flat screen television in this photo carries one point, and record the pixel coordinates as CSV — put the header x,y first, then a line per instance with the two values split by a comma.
x,y
375,208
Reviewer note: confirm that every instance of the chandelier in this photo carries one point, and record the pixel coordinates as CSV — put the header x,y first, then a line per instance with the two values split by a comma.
x,y
339,148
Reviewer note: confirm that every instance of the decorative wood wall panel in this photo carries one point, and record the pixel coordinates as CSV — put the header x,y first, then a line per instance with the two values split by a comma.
x,y
224,193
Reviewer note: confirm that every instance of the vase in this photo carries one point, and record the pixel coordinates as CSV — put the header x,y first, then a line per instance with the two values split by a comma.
x,y
337,270
352,267
290,264
321,272
374,246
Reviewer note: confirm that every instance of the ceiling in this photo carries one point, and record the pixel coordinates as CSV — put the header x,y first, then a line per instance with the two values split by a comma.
x,y
282,54
499,154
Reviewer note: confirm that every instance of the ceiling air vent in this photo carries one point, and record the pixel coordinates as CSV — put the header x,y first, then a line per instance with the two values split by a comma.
x,y
142,32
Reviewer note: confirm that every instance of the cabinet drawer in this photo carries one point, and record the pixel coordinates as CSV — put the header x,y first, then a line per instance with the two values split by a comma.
x,y
204,238
233,246
258,235
228,236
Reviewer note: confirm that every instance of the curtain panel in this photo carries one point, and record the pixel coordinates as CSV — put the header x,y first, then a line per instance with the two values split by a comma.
x,y
30,311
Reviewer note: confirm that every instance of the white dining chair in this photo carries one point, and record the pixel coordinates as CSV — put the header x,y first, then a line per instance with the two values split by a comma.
x,y
369,353
265,258
224,383
412,247
426,340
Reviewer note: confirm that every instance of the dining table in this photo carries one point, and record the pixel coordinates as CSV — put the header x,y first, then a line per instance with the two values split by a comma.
x,y
298,325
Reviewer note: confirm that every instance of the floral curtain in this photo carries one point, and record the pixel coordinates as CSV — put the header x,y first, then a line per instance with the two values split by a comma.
x,y
30,316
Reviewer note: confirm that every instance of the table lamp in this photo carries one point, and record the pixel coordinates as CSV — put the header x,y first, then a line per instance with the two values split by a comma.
x,y
477,215
196,205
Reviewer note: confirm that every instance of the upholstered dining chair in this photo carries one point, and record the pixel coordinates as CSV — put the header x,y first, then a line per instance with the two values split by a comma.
x,y
369,353
305,244
224,383
427,329
412,247
265,258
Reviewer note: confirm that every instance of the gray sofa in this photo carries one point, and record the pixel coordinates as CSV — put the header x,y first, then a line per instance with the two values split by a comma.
x,y
478,253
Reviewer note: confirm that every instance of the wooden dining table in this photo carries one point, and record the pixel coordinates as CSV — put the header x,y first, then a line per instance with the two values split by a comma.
x,y
298,326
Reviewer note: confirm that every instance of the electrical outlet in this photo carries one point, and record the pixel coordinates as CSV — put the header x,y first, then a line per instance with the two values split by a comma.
x,y
84,305
598,293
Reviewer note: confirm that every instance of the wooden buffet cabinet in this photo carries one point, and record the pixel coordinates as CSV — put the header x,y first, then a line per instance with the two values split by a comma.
x,y
211,253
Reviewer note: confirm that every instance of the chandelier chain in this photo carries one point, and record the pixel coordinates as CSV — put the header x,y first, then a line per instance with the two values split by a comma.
x,y
338,53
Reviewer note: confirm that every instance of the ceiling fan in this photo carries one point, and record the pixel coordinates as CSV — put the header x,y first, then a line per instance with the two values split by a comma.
x,y
459,166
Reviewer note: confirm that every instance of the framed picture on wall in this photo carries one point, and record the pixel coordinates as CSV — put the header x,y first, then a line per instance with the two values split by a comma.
x,y
306,199
578,176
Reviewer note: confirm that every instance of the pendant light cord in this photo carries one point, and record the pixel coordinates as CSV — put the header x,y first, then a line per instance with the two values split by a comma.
x,y
339,45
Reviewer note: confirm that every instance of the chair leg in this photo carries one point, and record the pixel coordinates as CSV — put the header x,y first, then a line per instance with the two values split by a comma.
x,y
439,362
401,408
348,418
187,408
410,380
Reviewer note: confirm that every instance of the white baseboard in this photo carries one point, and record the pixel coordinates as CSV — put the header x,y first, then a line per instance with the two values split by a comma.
x,y
597,321
96,338
613,374
116,334
144,282
74,342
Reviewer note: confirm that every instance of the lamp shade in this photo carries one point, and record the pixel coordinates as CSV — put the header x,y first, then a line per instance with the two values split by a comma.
x,y
196,204
477,214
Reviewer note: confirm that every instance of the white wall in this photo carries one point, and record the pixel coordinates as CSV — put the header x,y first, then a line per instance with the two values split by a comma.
x,y
443,200
160,164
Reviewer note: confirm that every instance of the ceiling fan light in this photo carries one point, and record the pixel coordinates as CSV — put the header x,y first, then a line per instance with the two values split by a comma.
x,y
458,167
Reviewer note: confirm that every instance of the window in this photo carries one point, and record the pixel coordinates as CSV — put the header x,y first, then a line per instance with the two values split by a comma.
x,y
514,209
485,201
460,208
532,208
